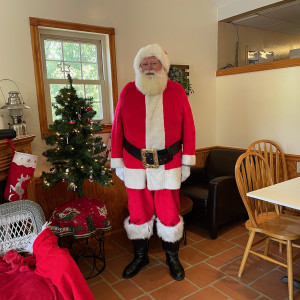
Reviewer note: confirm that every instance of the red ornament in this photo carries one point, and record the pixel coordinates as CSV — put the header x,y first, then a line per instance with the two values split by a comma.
x,y
45,154
72,122
55,148
90,109
89,121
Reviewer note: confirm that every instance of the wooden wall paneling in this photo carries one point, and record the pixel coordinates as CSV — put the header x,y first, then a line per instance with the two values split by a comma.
x,y
291,164
115,197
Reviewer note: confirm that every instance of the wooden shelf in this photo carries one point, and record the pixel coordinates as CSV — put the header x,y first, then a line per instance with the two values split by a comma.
x,y
286,63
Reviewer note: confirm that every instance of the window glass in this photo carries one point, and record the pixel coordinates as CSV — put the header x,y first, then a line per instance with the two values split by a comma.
x,y
83,60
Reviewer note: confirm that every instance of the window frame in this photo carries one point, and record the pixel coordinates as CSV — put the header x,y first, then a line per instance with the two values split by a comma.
x,y
35,24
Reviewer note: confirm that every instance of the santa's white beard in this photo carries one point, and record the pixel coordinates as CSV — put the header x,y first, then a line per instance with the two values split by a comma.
x,y
151,84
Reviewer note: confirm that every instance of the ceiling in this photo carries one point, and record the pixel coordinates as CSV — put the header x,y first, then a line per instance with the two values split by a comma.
x,y
284,18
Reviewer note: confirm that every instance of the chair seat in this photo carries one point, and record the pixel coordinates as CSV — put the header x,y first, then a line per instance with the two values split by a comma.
x,y
281,226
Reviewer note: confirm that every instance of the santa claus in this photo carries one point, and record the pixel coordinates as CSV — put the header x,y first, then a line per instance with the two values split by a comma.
x,y
152,147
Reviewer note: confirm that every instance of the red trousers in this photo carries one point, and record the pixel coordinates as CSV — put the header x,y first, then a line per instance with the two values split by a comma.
x,y
144,204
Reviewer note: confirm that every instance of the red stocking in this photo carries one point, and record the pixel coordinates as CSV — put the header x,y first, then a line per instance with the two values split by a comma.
x,y
21,170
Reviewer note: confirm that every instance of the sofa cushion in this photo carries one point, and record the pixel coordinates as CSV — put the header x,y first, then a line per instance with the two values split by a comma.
x,y
198,193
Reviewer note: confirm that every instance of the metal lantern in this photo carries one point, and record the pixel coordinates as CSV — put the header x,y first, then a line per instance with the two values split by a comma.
x,y
15,106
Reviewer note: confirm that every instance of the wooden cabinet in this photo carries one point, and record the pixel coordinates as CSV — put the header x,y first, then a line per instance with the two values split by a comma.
x,y
22,143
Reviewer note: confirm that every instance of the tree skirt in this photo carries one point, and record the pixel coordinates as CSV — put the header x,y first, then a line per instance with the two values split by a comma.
x,y
80,217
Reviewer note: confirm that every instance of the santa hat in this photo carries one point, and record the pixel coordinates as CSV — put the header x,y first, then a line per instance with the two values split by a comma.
x,y
152,50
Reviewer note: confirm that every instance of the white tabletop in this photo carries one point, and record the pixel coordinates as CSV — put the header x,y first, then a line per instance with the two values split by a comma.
x,y
285,193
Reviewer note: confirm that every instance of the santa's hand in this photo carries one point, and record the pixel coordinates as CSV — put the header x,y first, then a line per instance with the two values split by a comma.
x,y
185,172
120,173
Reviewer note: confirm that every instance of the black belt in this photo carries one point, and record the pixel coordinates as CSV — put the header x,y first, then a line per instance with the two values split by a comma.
x,y
152,158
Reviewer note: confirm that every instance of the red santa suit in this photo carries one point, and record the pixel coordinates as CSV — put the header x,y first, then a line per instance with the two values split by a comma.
x,y
153,122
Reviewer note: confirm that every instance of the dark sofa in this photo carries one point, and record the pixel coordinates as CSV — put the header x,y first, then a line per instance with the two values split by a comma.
x,y
216,199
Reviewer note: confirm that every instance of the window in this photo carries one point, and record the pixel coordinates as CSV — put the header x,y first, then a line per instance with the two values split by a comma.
x,y
87,52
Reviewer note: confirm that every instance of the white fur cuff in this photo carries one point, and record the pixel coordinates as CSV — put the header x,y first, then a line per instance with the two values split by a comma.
x,y
116,162
170,234
137,232
188,160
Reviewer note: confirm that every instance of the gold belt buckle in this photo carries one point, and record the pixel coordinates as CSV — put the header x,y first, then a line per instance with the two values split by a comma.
x,y
144,158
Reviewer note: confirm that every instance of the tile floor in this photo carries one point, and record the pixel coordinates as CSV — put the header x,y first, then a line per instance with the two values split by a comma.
x,y
211,268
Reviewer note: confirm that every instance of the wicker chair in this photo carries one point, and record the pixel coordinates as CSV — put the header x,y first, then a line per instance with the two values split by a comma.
x,y
20,222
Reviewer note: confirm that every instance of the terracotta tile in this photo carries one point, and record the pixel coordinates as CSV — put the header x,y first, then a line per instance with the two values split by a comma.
x,y
209,293
145,298
122,240
235,290
153,278
254,268
271,286
109,276
213,247
102,290
243,239
127,289
174,290
191,256
112,250
226,257
118,264
233,232
203,275
195,234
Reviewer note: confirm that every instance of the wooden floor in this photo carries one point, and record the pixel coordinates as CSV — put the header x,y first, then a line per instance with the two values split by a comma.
x,y
211,268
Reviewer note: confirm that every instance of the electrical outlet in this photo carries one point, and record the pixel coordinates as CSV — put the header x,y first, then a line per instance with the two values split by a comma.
x,y
298,166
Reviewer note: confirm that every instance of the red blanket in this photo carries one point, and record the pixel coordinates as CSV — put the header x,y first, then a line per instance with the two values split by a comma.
x,y
19,281
50,273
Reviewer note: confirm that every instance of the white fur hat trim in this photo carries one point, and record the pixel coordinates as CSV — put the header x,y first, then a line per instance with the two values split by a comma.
x,y
152,50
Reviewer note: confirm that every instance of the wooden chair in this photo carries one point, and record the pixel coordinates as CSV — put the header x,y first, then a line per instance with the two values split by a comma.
x,y
252,172
274,155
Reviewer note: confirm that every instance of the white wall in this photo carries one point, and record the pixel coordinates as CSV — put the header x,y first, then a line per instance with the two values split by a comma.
x,y
259,105
186,29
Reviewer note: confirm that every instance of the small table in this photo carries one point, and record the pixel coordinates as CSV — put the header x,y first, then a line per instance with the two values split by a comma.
x,y
186,205
80,225
286,193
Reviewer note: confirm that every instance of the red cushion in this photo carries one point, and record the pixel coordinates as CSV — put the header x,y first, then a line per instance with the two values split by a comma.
x,y
79,217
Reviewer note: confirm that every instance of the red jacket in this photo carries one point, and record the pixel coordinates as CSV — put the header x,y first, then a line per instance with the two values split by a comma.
x,y
153,122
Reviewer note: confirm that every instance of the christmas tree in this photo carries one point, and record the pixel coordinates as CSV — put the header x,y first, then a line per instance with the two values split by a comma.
x,y
77,154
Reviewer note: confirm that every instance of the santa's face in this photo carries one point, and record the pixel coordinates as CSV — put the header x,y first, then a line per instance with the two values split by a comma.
x,y
151,79
150,64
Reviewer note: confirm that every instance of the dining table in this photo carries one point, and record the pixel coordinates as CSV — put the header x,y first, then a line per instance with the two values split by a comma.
x,y
286,193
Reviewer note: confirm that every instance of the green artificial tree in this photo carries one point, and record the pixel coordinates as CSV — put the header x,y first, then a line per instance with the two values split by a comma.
x,y
77,154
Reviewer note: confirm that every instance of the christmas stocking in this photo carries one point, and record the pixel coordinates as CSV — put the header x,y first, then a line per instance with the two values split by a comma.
x,y
21,170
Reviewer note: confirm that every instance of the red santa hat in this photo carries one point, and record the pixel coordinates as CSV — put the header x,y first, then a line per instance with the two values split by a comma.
x,y
152,50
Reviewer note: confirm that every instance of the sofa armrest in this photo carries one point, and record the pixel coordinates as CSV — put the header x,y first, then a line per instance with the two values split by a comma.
x,y
198,175
224,200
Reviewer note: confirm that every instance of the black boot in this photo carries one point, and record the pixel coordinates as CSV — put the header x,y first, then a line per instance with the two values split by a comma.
x,y
176,269
140,258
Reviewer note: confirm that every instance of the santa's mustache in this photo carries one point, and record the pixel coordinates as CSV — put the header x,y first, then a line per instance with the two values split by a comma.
x,y
152,72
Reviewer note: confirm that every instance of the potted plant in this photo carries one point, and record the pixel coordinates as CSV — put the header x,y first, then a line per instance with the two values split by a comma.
x,y
177,74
